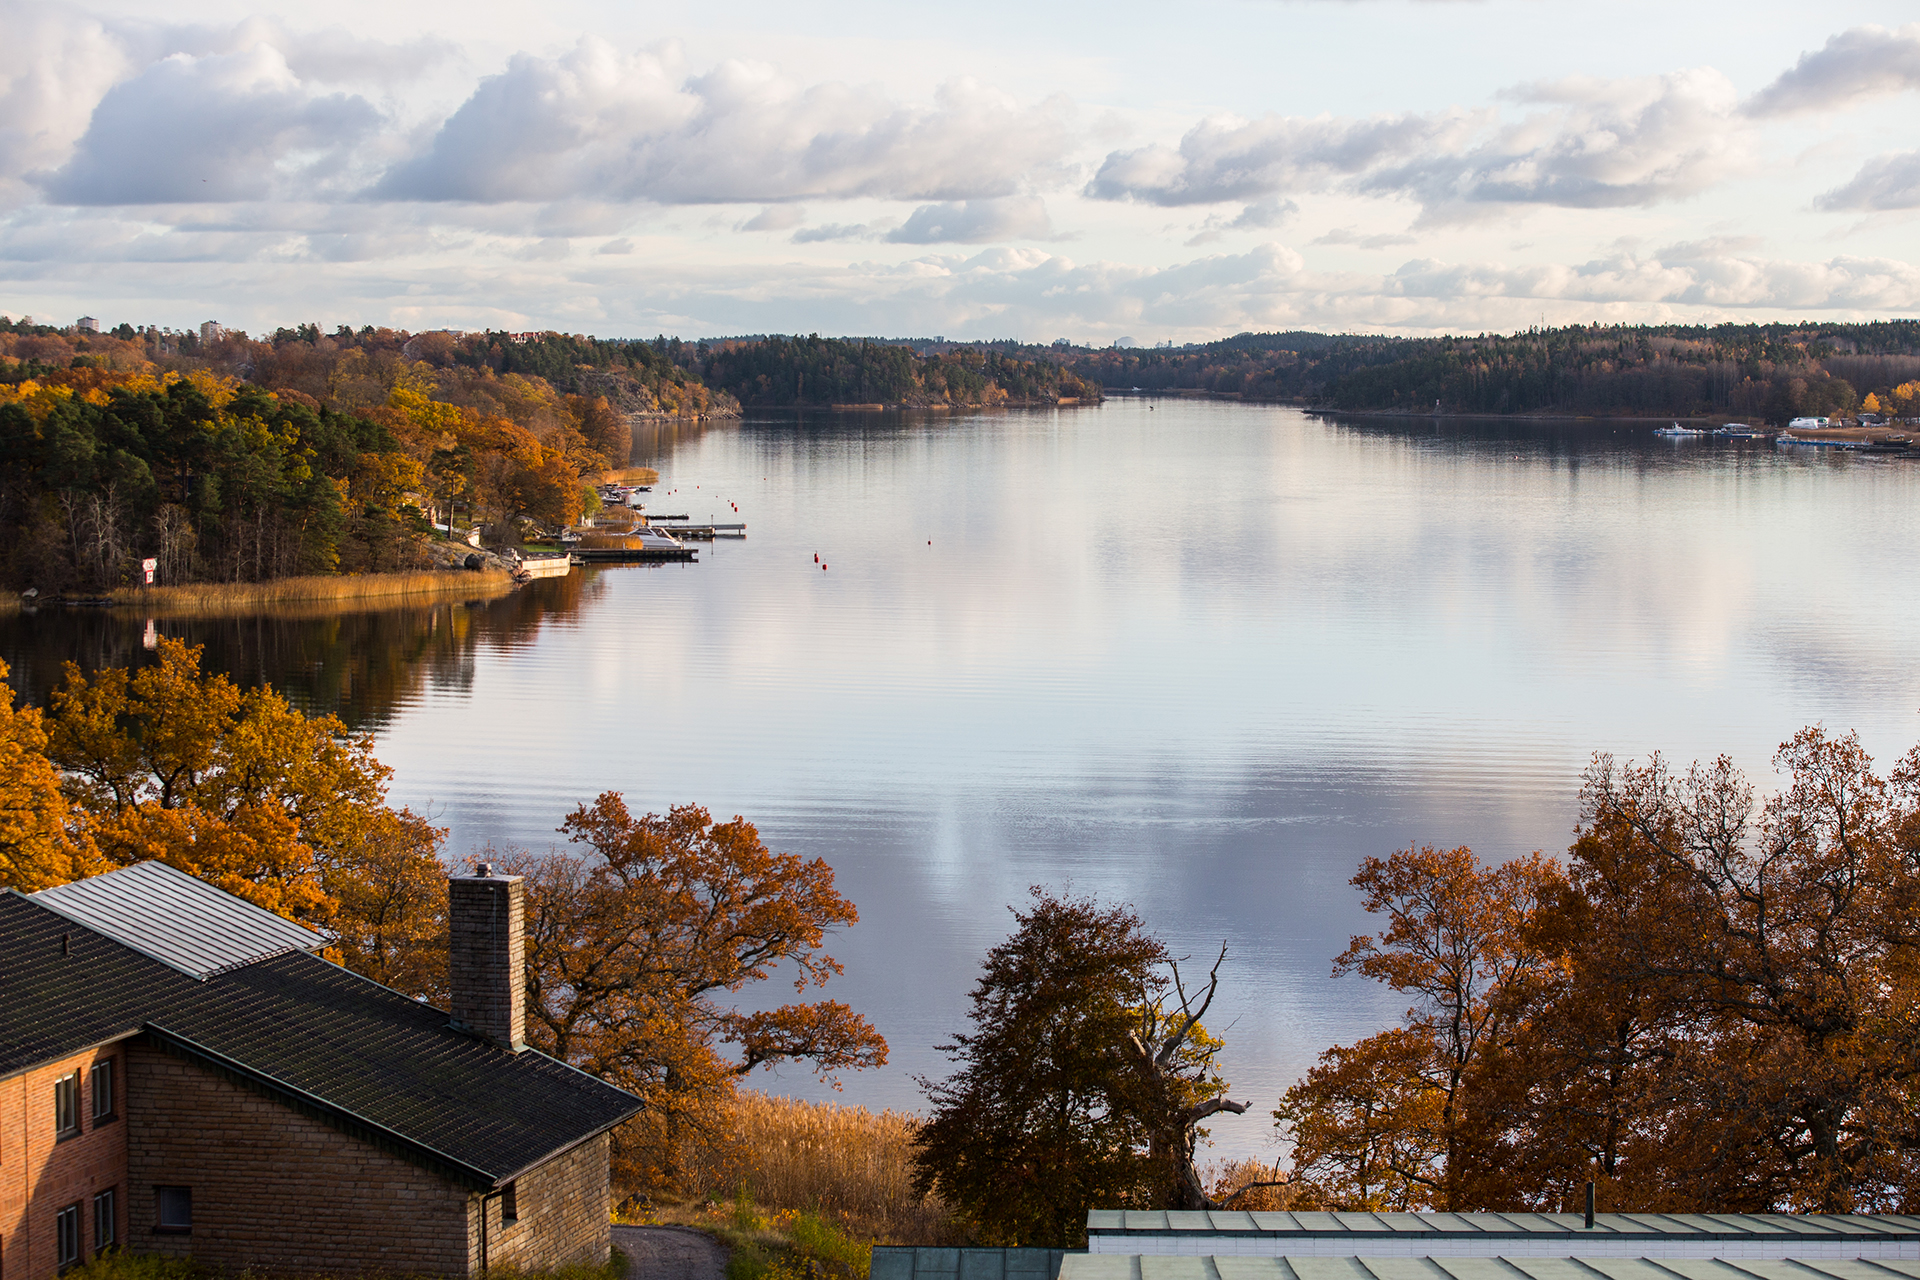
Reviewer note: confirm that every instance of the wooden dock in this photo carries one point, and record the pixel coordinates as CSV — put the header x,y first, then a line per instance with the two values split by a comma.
x,y
630,555
704,532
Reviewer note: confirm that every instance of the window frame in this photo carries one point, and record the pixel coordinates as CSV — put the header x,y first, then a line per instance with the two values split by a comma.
x,y
509,1203
66,1107
106,1214
66,1236
160,1199
101,1085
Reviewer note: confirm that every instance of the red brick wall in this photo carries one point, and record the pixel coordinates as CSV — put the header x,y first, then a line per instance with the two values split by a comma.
x,y
39,1175
276,1190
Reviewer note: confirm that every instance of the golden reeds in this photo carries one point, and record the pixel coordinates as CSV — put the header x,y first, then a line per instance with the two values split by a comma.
x,y
631,475
847,1164
343,590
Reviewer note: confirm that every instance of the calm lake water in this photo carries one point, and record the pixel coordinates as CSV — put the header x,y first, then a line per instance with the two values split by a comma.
x,y
1200,657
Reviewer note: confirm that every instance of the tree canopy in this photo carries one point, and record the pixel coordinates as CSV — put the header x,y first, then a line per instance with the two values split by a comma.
x,y
1079,1084
1713,1006
635,947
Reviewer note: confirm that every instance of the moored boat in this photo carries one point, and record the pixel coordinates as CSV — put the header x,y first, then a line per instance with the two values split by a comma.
x,y
1676,431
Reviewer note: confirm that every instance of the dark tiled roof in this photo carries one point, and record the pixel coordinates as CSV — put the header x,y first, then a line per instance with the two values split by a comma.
x,y
346,1050
176,919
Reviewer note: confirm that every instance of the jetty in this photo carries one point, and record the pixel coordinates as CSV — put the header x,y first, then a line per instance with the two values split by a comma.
x,y
697,532
631,555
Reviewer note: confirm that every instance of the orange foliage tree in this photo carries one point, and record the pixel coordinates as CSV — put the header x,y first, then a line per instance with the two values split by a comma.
x,y
636,948
1715,1007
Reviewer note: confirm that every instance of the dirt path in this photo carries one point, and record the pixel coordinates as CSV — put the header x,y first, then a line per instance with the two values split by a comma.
x,y
671,1253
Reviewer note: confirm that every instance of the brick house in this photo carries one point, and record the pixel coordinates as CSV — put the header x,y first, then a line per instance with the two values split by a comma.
x,y
181,1073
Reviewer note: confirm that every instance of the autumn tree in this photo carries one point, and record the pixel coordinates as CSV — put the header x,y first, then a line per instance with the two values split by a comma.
x,y
1388,1117
1080,1083
37,847
1715,1008
637,946
240,789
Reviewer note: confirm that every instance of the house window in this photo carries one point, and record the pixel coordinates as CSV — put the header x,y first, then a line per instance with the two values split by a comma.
x,y
103,1091
66,1106
173,1209
66,1235
103,1220
509,1204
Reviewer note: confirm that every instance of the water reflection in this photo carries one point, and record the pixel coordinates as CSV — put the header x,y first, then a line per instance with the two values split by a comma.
x,y
363,665
1203,657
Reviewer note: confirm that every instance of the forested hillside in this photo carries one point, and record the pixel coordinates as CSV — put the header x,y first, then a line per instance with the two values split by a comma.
x,y
827,371
1762,372
238,460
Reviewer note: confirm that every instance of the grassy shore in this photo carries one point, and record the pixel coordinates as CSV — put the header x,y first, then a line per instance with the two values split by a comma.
x,y
332,591
631,475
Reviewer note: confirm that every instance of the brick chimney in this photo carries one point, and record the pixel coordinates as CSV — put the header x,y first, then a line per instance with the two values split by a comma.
x,y
487,961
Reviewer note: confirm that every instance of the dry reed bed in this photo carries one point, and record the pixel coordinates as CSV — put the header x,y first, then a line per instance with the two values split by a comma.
x,y
844,1163
343,590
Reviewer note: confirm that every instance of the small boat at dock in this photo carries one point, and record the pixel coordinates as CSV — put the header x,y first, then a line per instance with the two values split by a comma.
x,y
1676,431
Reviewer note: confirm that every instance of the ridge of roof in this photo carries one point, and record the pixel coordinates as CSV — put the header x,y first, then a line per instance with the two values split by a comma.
x,y
183,922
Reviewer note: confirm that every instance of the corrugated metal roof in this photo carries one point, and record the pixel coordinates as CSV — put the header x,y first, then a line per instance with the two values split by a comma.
x,y
180,921
1115,1266
1360,1232
908,1262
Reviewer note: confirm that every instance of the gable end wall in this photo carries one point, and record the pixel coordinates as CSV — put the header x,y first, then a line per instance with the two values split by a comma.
x,y
276,1190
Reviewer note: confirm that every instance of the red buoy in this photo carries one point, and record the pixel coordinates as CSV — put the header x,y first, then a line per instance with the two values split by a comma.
x,y
823,568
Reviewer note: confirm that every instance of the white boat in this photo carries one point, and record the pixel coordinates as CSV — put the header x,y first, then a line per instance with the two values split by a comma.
x,y
1736,431
1676,430
651,538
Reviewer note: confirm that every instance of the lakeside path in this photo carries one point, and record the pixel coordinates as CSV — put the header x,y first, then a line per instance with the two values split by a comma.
x,y
670,1253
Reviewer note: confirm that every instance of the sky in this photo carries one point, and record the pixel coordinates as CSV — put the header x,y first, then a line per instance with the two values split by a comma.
x,y
1130,172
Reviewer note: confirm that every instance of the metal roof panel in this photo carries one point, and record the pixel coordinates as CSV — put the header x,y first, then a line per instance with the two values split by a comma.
x,y
171,917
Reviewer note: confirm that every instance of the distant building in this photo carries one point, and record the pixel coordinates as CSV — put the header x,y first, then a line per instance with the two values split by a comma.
x,y
88,323
211,331
182,1073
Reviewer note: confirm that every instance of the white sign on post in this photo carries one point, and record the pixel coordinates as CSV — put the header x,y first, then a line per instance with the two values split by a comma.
x,y
147,567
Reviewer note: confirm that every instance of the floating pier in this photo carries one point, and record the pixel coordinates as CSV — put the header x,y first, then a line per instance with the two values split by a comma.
x,y
630,555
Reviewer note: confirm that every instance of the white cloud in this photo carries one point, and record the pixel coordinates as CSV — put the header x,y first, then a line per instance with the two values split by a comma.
x,y
1862,62
221,127
1884,182
1378,240
55,64
1230,158
1720,275
635,127
836,231
976,222
1586,143
776,217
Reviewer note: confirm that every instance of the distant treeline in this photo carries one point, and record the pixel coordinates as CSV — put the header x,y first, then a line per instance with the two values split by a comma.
x,y
1768,372
826,371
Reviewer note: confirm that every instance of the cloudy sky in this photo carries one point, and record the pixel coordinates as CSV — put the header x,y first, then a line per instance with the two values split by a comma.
x,y
999,169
